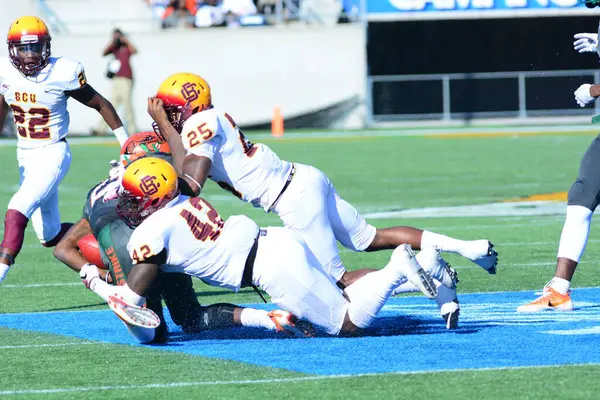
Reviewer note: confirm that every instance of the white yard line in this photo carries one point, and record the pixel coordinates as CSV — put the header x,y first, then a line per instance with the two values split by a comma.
x,y
37,285
171,385
33,346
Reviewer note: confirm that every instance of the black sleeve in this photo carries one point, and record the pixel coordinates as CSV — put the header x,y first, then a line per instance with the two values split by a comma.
x,y
83,95
157,259
87,208
185,188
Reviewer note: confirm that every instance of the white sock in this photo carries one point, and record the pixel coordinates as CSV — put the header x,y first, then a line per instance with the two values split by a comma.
x,y
130,296
101,288
253,318
575,233
443,242
559,284
3,271
368,294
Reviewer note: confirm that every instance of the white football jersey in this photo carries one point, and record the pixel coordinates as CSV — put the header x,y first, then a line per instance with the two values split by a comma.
x,y
197,241
39,102
252,172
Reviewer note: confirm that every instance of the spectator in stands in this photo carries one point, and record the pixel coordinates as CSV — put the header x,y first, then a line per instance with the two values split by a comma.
x,y
121,73
209,13
241,12
179,9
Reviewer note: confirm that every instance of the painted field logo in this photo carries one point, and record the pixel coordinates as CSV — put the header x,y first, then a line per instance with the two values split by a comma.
x,y
189,92
149,186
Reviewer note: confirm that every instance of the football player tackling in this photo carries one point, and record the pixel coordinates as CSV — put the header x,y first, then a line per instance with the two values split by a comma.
x,y
36,87
175,233
303,196
100,220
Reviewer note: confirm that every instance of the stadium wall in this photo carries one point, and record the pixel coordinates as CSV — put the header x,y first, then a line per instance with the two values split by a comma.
x,y
303,70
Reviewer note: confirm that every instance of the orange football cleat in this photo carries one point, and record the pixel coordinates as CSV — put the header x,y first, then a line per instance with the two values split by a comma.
x,y
549,300
285,322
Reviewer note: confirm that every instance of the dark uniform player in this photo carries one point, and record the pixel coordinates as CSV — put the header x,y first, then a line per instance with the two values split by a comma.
x,y
583,198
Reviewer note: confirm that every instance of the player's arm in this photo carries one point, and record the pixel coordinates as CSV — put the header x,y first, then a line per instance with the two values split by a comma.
x,y
147,250
3,111
67,250
84,93
158,114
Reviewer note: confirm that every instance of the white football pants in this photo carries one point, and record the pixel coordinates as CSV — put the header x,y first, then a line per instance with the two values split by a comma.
x,y
311,206
289,272
42,170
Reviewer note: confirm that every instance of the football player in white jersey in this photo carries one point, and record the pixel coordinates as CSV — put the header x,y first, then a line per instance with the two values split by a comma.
x,y
177,233
36,87
303,197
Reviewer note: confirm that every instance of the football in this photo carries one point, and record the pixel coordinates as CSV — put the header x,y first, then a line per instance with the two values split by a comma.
x,y
89,248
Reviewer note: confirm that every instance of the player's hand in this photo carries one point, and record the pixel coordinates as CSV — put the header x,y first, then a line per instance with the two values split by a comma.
x,y
87,274
585,42
583,96
156,110
3,271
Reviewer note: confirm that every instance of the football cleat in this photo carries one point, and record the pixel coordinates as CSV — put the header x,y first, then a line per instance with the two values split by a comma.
x,y
285,322
483,255
549,300
450,312
403,258
447,301
133,314
431,260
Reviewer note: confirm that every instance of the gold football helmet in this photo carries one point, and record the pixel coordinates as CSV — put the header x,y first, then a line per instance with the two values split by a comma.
x,y
29,45
183,95
148,184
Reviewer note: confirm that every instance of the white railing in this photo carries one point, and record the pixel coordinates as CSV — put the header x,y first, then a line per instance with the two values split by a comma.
x,y
523,108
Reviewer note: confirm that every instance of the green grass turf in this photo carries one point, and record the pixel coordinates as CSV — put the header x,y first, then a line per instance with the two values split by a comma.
x,y
374,174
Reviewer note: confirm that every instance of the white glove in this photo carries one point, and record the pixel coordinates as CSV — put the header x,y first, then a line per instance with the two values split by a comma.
x,y
3,271
586,42
87,273
583,96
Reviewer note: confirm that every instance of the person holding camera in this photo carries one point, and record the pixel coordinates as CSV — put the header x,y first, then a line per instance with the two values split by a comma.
x,y
120,71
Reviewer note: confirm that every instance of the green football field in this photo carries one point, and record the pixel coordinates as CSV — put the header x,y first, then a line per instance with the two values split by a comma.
x,y
377,174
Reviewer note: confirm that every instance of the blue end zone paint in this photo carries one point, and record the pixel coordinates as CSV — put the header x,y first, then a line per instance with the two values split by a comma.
x,y
408,336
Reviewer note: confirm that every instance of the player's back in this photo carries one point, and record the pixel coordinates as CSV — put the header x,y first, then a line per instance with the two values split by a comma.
x,y
253,172
99,209
39,102
197,241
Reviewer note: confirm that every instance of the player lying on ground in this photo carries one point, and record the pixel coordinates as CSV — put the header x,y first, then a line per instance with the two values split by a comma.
x,y
176,233
429,259
583,198
36,87
302,196
100,219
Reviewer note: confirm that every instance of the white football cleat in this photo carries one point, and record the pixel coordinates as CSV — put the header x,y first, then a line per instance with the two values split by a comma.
x,y
482,253
133,314
285,322
447,301
403,258
431,260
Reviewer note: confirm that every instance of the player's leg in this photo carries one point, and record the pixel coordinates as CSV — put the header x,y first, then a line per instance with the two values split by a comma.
x,y
583,198
41,171
355,233
290,273
303,209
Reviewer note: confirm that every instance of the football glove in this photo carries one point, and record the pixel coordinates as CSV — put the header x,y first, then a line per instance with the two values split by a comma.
x,y
583,96
586,42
